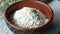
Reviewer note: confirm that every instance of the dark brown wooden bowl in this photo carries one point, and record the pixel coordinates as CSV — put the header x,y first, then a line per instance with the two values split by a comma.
x,y
45,9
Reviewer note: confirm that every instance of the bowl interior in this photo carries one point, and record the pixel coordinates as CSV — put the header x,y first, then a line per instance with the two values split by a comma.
x,y
33,4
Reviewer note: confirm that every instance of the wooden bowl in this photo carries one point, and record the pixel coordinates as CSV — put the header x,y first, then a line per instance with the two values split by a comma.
x,y
44,8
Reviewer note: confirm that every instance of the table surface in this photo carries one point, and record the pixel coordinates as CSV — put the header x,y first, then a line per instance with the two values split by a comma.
x,y
53,29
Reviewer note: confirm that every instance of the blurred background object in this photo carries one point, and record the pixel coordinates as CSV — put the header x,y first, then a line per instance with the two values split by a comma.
x,y
59,32
46,1
4,4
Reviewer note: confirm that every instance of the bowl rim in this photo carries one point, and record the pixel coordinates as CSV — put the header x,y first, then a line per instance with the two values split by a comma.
x,y
27,29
